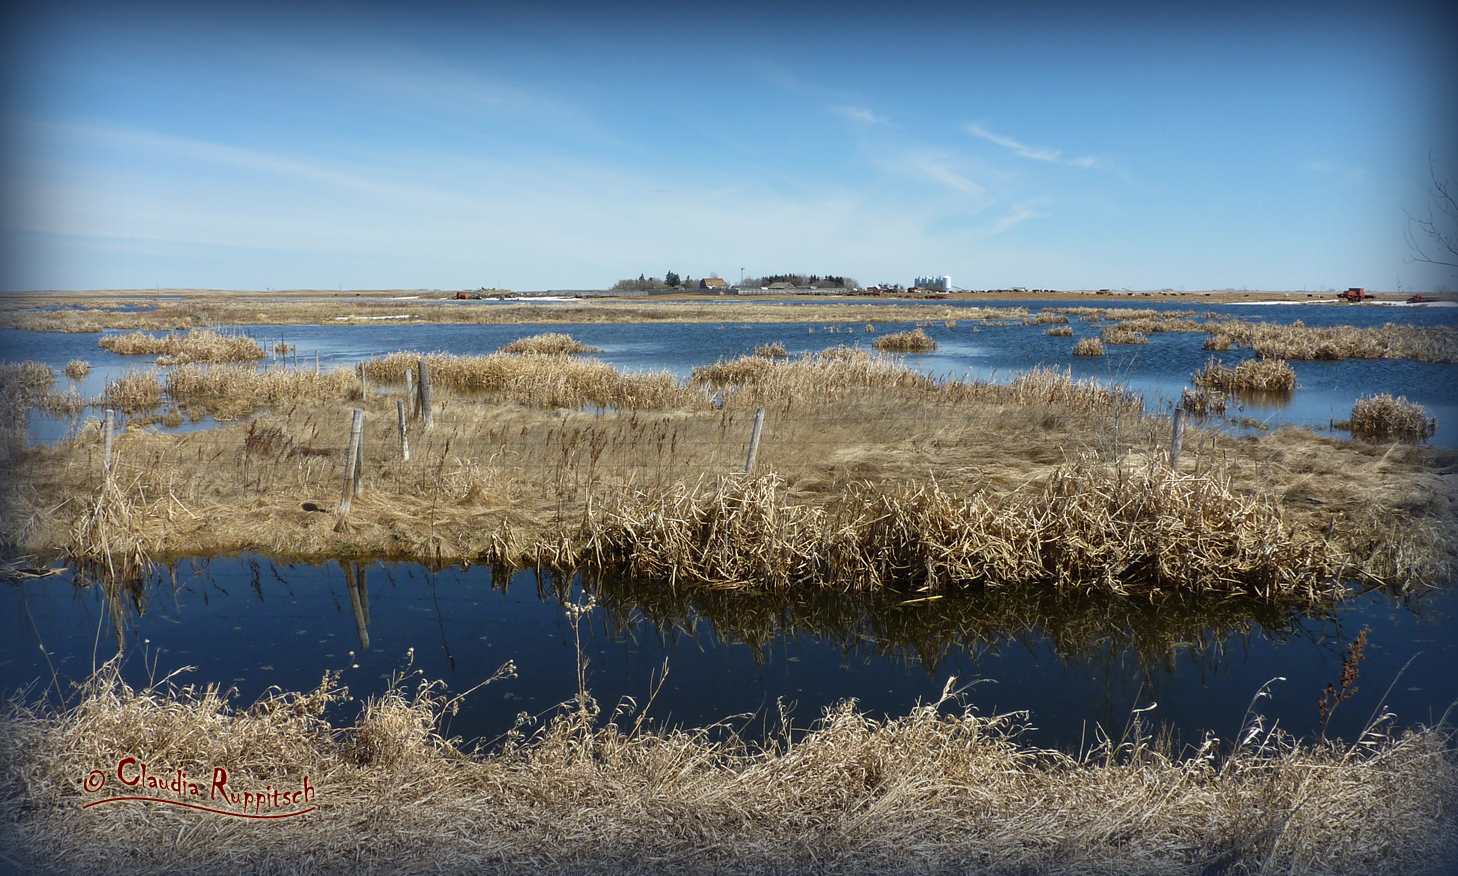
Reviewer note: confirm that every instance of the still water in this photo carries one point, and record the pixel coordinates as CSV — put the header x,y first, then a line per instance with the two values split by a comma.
x,y
1075,665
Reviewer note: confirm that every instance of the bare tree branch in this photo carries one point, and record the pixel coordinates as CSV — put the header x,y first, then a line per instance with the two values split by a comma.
x,y
1434,236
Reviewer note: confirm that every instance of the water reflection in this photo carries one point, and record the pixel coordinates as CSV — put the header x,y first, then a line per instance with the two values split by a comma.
x,y
1073,662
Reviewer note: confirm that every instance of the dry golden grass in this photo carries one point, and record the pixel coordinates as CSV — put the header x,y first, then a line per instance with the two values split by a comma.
x,y
775,350
1152,325
246,309
1049,317
1120,334
914,341
541,380
1382,418
1217,342
548,343
198,345
1203,401
1300,341
1088,347
941,789
134,392
503,477
1255,375
1060,331
77,369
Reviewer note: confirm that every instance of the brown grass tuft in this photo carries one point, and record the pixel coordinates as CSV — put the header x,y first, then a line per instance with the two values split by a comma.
x,y
198,345
1088,347
1203,402
1300,341
1060,331
1382,418
775,350
1119,334
134,392
1256,375
548,344
914,341
77,369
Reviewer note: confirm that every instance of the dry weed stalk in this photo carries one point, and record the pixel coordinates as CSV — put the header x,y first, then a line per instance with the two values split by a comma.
x,y
1088,347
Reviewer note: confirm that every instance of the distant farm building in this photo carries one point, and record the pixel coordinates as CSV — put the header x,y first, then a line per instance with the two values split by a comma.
x,y
782,287
714,283
942,283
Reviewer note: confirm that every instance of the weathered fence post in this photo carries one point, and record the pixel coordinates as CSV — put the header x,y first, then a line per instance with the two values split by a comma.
x,y
106,456
364,381
351,461
427,416
1176,437
754,440
404,437
410,390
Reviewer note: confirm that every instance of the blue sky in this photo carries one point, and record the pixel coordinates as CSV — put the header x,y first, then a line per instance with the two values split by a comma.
x,y
1055,146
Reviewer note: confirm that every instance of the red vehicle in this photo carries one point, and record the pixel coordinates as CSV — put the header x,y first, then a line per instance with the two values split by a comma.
x,y
1356,293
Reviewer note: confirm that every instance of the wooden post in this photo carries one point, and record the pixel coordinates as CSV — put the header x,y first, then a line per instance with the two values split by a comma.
x,y
1176,437
427,416
351,461
404,437
410,390
364,382
106,457
754,440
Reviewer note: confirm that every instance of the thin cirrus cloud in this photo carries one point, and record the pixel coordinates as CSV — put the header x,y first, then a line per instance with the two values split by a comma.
x,y
1035,153
860,115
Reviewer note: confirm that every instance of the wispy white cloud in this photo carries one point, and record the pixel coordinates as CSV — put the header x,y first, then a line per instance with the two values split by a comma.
x,y
860,115
939,169
1020,213
1035,153
1353,175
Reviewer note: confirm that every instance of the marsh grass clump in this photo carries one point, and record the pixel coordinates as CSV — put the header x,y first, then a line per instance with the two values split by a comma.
x,y
1088,347
1300,341
1203,401
77,369
1382,417
1060,331
775,350
228,392
583,793
1119,334
1253,375
1048,317
134,392
548,344
68,403
1217,342
539,380
914,341
27,381
198,345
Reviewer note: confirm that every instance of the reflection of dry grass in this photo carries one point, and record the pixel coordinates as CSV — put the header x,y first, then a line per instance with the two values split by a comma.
x,y
1382,417
1255,375
198,345
941,787
548,343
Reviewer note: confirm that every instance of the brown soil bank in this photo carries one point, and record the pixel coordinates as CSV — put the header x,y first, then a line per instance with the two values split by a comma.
x,y
937,791
869,475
